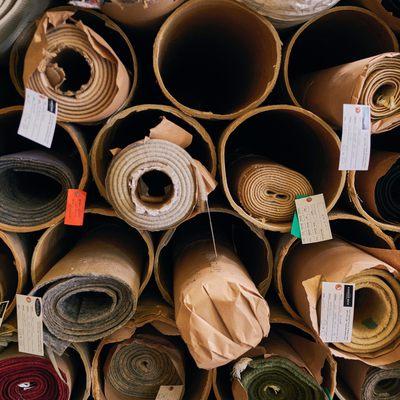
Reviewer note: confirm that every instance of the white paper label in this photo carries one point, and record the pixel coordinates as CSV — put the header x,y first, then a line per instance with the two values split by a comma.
x,y
95,4
170,392
3,309
30,325
313,219
337,312
39,117
355,149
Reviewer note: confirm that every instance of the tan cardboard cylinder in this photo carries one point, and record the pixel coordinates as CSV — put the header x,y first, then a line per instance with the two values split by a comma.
x,y
299,140
216,59
340,35
361,188
156,317
314,354
140,14
104,83
68,141
251,244
386,13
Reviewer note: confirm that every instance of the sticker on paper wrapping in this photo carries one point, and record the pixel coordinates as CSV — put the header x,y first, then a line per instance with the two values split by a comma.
x,y
170,392
75,211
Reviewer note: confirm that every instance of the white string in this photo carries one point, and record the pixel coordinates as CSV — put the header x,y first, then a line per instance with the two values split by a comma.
x,y
212,230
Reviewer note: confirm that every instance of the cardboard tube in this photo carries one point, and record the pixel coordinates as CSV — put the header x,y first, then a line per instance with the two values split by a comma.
x,y
72,62
140,14
293,138
292,351
155,320
92,291
250,242
216,59
339,36
25,169
286,14
218,309
374,193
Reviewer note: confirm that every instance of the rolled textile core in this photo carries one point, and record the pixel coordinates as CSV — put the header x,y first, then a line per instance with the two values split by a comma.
x,y
267,190
34,187
153,184
136,368
218,309
373,81
92,291
289,13
216,59
72,64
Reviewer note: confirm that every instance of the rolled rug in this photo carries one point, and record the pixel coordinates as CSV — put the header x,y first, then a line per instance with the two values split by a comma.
x,y
218,309
71,63
376,328
267,190
136,368
15,16
92,291
373,81
286,13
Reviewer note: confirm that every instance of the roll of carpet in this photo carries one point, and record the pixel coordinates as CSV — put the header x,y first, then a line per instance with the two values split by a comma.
x,y
373,81
375,193
71,63
219,311
216,59
267,190
369,383
92,291
15,16
376,327
288,13
141,14
15,253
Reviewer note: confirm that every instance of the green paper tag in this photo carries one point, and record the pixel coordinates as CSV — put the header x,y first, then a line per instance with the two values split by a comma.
x,y
327,393
296,231
370,323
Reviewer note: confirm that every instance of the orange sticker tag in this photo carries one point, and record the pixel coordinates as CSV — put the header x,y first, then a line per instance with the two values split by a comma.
x,y
75,212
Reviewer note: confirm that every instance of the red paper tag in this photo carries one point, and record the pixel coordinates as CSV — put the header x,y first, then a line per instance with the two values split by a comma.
x,y
75,211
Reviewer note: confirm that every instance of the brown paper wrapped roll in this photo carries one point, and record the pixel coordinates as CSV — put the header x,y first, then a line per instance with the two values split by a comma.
x,y
339,36
92,290
303,150
374,193
71,60
373,81
138,13
25,169
150,343
216,59
291,362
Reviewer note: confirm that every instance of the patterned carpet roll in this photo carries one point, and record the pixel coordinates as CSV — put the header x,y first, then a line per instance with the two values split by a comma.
x,y
136,368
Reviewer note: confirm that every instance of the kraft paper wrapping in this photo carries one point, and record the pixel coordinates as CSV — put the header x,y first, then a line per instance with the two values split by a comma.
x,y
157,318
26,166
142,14
15,16
199,54
93,290
267,190
318,44
72,64
185,182
372,81
366,382
288,13
14,260
219,311
373,192
377,295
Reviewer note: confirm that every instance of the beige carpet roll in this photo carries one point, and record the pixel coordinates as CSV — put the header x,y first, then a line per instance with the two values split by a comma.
x,y
267,190
219,311
93,290
376,328
71,63
373,81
